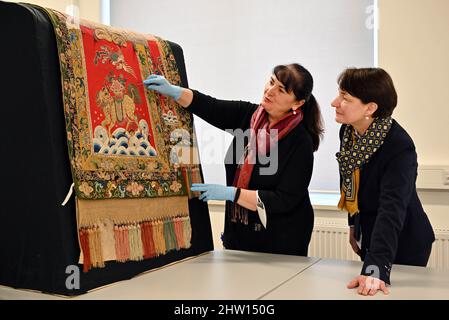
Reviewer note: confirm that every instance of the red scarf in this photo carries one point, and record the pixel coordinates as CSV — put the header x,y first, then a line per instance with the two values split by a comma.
x,y
260,137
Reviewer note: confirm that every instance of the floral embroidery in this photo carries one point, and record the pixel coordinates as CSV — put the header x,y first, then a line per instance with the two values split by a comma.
x,y
176,186
135,188
86,189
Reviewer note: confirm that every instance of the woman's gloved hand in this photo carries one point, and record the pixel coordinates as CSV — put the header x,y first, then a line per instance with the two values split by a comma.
x,y
214,191
161,85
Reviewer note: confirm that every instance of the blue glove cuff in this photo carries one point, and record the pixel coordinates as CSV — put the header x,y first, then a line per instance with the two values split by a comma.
x,y
176,92
230,193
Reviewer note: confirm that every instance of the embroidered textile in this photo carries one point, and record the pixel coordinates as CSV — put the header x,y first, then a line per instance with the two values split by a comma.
x,y
133,152
123,140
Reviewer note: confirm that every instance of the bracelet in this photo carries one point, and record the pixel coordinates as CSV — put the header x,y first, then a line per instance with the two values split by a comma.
x,y
237,195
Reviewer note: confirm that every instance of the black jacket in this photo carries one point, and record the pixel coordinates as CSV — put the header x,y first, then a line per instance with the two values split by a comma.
x,y
284,194
394,226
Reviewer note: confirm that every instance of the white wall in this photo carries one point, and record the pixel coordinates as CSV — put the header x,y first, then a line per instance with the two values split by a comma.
x,y
414,49
88,9
231,46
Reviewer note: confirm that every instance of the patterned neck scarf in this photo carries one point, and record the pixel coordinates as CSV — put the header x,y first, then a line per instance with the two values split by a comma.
x,y
354,153
260,142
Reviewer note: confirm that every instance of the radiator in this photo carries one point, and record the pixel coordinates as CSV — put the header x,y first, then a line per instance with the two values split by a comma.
x,y
330,240
439,259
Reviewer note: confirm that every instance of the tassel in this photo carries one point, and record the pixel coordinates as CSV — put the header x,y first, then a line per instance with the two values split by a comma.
x,y
144,239
145,242
139,241
171,234
122,243
167,236
93,257
95,247
84,240
98,247
135,243
161,237
178,232
132,249
150,241
187,231
136,240
92,246
171,225
117,241
160,241
126,249
155,228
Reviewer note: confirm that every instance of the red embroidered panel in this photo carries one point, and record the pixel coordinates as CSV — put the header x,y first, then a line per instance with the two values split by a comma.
x,y
124,141
116,94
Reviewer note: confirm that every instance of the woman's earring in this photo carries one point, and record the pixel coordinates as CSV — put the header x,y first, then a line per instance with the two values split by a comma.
x,y
294,111
367,118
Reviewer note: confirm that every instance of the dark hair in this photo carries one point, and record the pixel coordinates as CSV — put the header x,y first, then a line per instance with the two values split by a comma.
x,y
298,80
371,85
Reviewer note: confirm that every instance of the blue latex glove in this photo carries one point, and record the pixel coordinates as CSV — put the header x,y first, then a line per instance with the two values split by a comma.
x,y
161,85
214,191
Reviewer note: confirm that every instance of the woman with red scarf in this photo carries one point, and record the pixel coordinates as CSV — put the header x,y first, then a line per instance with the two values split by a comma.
x,y
269,163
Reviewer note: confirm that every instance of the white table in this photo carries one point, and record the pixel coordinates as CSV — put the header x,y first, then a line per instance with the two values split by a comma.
x,y
222,274
327,279
237,275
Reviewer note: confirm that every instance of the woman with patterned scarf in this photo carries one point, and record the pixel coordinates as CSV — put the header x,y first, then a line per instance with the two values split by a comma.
x,y
378,169
269,163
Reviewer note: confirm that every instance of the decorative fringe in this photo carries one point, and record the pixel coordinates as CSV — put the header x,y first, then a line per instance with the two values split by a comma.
x,y
125,238
191,175
187,231
95,249
169,235
118,244
178,233
135,241
84,240
147,239
158,237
